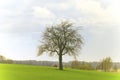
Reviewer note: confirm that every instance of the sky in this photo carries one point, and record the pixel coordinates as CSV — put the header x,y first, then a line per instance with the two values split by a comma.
x,y
22,23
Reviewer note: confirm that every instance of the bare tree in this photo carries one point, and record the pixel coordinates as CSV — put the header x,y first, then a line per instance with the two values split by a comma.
x,y
61,39
2,59
105,64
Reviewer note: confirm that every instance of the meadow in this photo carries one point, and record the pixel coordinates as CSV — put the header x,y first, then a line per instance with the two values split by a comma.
x,y
28,72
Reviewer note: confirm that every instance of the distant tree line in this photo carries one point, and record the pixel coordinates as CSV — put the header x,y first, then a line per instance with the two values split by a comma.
x,y
5,60
34,62
82,65
105,64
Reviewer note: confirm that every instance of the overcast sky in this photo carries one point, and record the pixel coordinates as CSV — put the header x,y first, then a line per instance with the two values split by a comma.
x,y
23,21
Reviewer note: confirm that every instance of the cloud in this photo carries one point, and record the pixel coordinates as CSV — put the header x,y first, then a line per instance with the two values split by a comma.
x,y
5,13
42,12
95,13
100,20
5,2
62,6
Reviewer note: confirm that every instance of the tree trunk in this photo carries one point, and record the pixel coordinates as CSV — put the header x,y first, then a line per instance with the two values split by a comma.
x,y
60,62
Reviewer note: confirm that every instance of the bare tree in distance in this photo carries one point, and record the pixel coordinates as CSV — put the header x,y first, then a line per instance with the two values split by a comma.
x,y
61,39
2,59
105,64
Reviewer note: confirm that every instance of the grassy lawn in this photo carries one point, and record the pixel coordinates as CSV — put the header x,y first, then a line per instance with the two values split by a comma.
x,y
26,72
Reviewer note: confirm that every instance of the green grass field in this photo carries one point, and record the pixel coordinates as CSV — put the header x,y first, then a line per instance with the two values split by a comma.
x,y
26,72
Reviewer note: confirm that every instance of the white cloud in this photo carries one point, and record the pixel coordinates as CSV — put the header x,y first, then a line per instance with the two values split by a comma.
x,y
88,6
5,27
5,2
100,20
6,12
94,12
63,6
59,6
42,12
102,25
